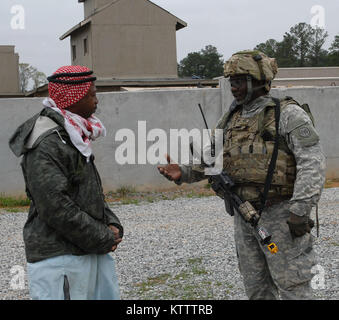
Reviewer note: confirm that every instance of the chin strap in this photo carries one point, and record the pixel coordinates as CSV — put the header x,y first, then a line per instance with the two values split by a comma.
x,y
250,91
249,94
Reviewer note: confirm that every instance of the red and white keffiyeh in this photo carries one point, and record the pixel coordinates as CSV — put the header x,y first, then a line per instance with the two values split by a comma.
x,y
81,131
64,95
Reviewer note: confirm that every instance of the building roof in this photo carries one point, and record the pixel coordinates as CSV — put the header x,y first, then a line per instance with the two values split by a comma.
x,y
76,27
179,25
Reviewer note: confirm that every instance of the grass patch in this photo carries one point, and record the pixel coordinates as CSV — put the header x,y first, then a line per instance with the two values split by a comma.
x,y
13,210
12,202
196,270
332,183
130,201
125,191
145,286
194,261
129,195
188,284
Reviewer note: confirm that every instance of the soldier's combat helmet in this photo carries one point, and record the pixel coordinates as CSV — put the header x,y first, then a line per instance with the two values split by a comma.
x,y
253,64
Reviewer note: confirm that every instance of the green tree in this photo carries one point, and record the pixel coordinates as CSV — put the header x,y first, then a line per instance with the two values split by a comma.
x,y
335,45
207,63
317,56
191,65
333,55
286,55
302,34
282,51
300,47
269,47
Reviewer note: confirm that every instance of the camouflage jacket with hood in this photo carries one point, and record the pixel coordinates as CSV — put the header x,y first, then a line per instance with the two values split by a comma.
x,y
68,213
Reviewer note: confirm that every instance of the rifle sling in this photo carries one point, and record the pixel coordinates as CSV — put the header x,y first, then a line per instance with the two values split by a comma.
x,y
273,161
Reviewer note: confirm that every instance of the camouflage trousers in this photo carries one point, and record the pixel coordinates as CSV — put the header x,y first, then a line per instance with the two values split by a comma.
x,y
286,274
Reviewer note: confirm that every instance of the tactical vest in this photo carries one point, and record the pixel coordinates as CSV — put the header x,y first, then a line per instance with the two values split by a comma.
x,y
248,149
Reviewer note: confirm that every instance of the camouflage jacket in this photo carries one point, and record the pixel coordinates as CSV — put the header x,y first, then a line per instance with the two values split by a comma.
x,y
68,213
297,130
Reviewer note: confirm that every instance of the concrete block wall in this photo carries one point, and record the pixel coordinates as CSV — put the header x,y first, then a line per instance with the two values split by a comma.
x,y
160,109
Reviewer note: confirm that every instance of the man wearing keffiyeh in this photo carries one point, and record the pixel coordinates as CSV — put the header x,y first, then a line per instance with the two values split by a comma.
x,y
70,229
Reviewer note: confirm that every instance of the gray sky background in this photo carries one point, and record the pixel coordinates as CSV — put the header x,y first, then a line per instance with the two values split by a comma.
x,y
229,25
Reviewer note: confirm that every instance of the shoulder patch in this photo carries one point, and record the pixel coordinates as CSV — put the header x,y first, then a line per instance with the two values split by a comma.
x,y
304,135
304,132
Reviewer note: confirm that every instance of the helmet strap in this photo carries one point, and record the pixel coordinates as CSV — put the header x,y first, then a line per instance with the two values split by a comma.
x,y
250,91
258,87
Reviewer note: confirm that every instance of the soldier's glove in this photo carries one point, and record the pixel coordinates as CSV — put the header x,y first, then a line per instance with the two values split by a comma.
x,y
299,225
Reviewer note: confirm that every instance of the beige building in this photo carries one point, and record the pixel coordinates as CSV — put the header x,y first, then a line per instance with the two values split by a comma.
x,y
9,71
126,39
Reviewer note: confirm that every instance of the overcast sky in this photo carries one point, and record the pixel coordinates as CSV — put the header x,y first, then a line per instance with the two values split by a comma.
x,y
229,25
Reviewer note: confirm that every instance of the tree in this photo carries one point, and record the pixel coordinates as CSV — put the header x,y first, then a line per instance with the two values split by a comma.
x,y
207,63
317,56
191,65
335,45
300,47
30,77
281,51
269,47
25,74
39,79
286,53
302,35
213,62
333,56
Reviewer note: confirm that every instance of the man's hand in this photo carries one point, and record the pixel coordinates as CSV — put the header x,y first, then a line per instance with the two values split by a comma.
x,y
116,236
299,225
171,171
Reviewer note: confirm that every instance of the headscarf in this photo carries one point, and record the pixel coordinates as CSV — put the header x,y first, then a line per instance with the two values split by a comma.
x,y
67,86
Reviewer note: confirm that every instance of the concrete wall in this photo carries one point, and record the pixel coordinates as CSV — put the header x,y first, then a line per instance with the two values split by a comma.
x,y
77,40
306,82
9,70
164,109
91,5
307,76
308,72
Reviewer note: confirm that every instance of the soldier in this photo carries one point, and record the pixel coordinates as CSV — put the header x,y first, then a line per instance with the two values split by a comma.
x,y
249,137
70,229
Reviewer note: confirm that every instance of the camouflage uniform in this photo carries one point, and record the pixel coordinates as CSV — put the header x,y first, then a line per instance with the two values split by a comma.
x,y
288,272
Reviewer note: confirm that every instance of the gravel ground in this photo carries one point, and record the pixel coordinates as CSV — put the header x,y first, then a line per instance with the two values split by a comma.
x,y
177,249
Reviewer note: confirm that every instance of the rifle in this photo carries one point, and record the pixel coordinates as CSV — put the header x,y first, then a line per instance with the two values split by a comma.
x,y
222,183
